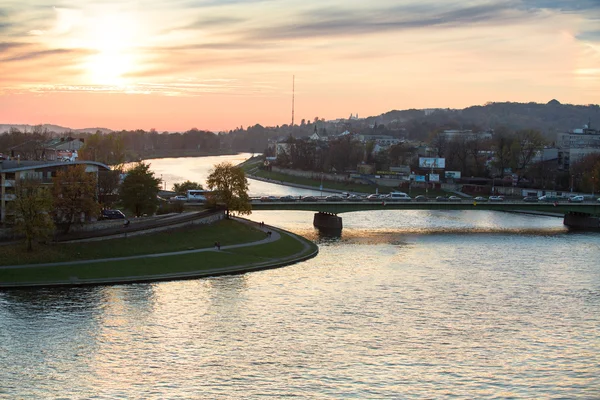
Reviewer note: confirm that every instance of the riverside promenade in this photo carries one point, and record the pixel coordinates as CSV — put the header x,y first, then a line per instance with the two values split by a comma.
x,y
306,251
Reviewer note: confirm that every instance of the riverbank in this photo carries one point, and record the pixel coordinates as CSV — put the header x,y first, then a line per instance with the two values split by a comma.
x,y
253,250
252,169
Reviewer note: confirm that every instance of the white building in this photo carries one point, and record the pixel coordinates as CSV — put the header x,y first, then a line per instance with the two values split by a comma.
x,y
575,145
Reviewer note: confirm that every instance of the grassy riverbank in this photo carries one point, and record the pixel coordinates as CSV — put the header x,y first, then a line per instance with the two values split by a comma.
x,y
202,236
198,264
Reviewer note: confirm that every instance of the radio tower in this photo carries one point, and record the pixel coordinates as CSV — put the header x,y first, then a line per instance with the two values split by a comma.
x,y
293,93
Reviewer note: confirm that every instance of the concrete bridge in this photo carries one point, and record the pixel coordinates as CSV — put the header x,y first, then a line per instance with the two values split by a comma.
x,y
576,215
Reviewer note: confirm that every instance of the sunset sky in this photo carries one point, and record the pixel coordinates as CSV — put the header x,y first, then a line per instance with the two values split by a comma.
x,y
218,64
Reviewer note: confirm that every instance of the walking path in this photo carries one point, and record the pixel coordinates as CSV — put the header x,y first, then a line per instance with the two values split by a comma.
x,y
275,235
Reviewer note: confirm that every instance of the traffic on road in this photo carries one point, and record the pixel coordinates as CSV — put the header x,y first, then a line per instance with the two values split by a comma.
x,y
395,197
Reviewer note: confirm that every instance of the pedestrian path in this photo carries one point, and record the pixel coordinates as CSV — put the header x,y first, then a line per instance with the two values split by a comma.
x,y
274,236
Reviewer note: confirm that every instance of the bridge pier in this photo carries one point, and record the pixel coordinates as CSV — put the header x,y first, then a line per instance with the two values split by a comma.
x,y
577,220
327,221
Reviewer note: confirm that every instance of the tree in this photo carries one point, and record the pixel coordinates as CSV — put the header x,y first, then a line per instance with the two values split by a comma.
x,y
231,187
139,190
529,143
31,207
74,192
182,188
108,183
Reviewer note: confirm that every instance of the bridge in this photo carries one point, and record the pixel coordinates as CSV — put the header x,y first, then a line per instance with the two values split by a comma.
x,y
576,215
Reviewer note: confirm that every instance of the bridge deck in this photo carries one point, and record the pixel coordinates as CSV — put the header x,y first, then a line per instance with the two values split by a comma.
x,y
350,206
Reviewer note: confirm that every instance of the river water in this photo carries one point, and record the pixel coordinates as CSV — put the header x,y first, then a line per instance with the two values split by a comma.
x,y
405,304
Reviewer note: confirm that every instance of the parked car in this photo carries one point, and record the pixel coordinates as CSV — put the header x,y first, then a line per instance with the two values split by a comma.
x,y
454,198
496,198
530,199
421,198
441,198
576,199
480,199
179,198
373,197
309,198
112,214
267,199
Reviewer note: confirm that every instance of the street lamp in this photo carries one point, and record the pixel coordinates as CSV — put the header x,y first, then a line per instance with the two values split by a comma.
x,y
321,187
572,177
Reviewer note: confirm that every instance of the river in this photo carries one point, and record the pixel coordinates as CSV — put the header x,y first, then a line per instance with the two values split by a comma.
x,y
405,304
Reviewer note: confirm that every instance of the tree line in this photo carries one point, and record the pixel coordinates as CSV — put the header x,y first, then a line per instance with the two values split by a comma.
x,y
76,195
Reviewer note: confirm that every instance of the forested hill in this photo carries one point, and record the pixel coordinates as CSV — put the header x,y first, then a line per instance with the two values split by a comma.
x,y
548,118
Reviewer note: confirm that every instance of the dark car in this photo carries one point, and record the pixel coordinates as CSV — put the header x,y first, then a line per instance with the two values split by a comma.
x,y
112,214
334,198
421,198
454,198
441,198
530,199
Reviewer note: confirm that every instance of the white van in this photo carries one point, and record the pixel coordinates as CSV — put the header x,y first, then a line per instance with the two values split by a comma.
x,y
399,196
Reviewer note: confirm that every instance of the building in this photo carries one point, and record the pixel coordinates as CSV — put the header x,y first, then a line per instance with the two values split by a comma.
x,y
14,170
468,135
62,149
382,140
575,145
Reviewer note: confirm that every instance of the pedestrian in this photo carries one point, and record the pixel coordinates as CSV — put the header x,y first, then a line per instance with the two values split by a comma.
x,y
218,245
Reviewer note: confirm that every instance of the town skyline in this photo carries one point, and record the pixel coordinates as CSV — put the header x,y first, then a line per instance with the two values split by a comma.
x,y
221,65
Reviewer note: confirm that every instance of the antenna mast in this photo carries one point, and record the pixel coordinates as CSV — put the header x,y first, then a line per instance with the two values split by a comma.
x,y
293,93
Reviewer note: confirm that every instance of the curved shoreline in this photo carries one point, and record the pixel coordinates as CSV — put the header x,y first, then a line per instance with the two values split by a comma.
x,y
309,250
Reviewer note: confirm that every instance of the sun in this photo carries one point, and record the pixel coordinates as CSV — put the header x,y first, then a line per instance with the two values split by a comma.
x,y
112,39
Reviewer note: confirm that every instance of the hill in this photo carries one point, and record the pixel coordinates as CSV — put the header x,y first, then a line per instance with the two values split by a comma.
x,y
549,118
49,128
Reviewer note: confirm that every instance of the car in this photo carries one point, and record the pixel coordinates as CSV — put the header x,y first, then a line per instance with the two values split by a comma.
x,y
454,198
480,199
112,214
549,199
441,198
496,198
374,197
334,197
576,199
530,199
179,198
287,198
421,198
309,198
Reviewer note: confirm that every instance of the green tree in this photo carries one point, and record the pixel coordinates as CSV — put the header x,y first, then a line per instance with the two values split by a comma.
x,y
74,192
139,190
31,208
182,188
231,187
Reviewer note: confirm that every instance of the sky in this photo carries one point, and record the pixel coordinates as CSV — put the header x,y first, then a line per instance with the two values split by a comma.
x,y
221,64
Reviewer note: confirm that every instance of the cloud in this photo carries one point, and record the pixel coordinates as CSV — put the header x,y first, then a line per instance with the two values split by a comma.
x,y
41,53
337,22
6,46
210,22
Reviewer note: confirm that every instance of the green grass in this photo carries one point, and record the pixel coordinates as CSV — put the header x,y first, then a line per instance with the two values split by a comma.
x,y
185,263
201,236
